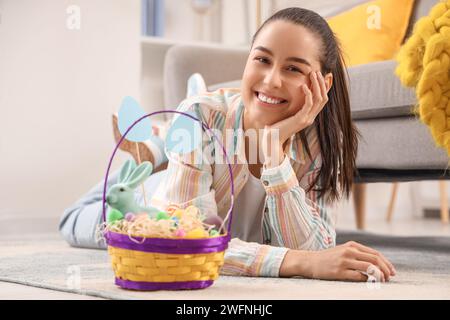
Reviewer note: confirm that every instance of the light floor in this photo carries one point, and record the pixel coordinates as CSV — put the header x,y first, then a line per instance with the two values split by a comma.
x,y
9,291
404,223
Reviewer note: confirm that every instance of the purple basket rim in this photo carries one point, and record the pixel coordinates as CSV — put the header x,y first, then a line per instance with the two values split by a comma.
x,y
167,242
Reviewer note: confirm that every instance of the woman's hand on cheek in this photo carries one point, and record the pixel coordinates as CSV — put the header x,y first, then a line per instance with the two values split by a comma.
x,y
277,134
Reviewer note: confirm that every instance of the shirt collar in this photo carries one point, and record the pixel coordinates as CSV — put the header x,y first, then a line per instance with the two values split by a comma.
x,y
234,120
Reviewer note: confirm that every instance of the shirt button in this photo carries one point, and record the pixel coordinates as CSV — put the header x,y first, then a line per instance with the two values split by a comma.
x,y
266,183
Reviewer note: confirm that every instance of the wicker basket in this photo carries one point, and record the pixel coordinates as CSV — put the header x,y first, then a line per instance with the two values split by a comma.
x,y
166,264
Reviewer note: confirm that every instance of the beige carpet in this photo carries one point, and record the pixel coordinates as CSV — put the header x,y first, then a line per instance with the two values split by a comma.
x,y
46,261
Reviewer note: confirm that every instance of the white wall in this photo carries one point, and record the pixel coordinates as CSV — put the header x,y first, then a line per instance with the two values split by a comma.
x,y
182,23
239,16
58,88
233,22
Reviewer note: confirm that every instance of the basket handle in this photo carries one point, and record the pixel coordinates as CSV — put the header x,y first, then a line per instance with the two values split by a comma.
x,y
206,128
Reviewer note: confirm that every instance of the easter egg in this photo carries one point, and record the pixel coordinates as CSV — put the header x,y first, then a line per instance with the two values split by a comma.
x,y
162,216
130,217
175,220
214,233
196,233
178,213
114,215
180,233
171,208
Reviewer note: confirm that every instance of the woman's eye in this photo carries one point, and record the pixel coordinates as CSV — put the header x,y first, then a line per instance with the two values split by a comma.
x,y
262,60
294,69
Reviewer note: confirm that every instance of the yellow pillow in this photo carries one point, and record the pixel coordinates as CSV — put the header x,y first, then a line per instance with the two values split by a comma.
x,y
373,31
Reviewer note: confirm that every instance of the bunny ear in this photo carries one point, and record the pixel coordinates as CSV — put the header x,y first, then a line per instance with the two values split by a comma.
x,y
126,170
139,174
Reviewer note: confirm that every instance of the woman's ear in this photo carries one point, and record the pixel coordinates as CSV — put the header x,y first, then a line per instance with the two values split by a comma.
x,y
328,81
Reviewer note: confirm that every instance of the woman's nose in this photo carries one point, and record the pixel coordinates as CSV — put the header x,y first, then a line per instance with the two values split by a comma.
x,y
273,79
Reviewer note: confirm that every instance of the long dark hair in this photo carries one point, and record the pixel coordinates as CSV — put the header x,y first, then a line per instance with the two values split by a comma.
x,y
337,134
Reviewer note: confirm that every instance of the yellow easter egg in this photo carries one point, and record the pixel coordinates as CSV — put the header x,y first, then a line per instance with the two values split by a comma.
x,y
178,213
196,233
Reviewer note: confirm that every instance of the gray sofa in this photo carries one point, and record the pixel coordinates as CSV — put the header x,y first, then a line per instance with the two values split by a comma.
x,y
395,146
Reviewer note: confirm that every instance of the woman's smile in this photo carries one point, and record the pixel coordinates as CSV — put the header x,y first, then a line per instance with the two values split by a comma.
x,y
266,100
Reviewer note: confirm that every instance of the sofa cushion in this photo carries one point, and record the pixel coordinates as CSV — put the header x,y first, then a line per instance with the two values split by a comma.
x,y
376,92
372,35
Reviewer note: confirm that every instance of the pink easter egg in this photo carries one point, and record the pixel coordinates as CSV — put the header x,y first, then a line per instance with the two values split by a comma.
x,y
180,233
130,217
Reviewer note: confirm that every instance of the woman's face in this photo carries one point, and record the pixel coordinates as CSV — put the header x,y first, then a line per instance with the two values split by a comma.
x,y
279,63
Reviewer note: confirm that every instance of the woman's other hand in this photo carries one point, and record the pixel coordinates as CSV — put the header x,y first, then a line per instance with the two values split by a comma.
x,y
343,262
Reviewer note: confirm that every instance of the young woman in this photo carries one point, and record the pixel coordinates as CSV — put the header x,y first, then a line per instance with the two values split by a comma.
x,y
294,91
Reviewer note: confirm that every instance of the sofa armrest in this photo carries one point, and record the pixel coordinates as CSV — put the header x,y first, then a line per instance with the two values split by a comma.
x,y
215,63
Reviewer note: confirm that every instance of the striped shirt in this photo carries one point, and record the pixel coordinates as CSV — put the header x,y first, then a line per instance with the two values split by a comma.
x,y
292,218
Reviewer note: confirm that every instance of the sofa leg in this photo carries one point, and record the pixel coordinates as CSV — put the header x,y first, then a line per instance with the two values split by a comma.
x,y
444,201
359,202
392,202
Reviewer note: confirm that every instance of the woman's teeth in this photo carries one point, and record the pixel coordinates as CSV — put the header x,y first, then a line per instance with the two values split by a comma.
x,y
266,99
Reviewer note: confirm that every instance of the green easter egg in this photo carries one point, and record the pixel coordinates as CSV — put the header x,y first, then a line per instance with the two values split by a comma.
x,y
213,233
162,216
114,215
